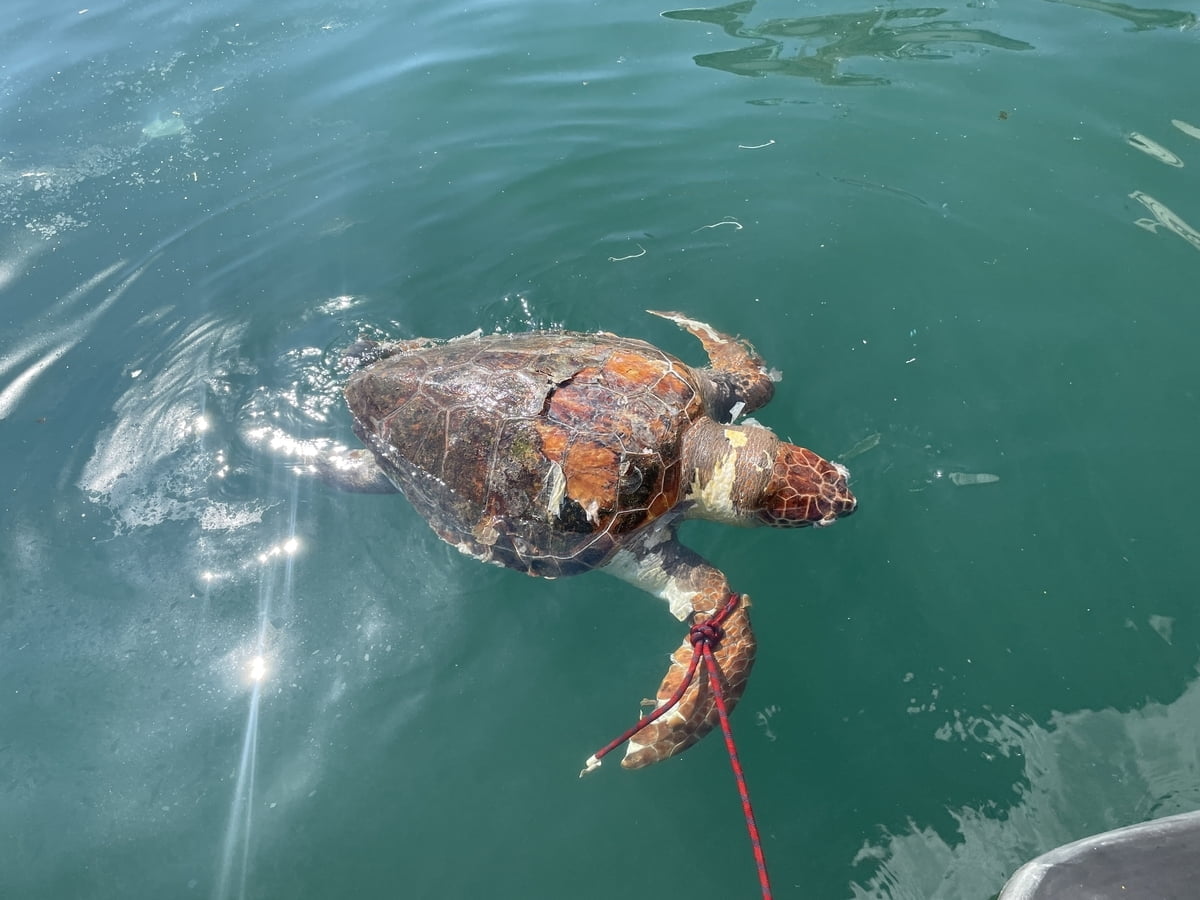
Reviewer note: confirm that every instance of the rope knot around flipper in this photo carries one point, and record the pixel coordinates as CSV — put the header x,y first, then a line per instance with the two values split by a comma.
x,y
705,637
708,633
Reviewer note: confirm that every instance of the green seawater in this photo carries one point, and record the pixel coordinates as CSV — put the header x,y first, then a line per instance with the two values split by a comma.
x,y
969,236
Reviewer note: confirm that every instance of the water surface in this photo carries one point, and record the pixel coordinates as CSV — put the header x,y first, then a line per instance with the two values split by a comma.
x,y
968,237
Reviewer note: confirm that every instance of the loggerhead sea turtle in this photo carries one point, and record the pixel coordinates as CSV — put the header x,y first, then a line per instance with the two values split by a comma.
x,y
555,453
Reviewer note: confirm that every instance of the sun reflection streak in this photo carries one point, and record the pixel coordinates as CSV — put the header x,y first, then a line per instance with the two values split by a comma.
x,y
256,666
285,549
241,812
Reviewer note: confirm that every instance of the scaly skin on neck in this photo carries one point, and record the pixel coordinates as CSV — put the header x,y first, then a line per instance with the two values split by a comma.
x,y
726,469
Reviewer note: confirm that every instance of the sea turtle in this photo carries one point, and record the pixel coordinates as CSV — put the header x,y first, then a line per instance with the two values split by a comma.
x,y
556,453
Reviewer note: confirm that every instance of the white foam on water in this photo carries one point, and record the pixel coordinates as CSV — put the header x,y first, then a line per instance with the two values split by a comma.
x,y
154,462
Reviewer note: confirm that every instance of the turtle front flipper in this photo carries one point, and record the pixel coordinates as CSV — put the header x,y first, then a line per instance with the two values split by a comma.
x,y
366,351
740,378
355,471
695,590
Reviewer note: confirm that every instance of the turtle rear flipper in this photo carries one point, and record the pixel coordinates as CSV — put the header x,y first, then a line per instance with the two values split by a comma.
x,y
695,590
740,378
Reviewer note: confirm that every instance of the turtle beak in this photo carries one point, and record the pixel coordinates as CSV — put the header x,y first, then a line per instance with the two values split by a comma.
x,y
843,501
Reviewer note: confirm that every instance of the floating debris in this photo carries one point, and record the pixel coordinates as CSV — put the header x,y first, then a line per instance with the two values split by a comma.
x,y
631,256
868,443
1189,130
1153,148
728,220
1164,625
763,717
160,128
964,478
1165,216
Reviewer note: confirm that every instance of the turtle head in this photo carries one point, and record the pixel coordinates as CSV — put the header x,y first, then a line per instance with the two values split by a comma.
x,y
804,489
745,475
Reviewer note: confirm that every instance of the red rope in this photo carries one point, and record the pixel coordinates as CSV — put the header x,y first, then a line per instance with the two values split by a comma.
x,y
739,776
705,637
712,626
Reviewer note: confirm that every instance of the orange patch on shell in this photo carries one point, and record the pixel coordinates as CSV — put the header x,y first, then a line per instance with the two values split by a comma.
x,y
590,468
554,441
591,472
629,371
573,407
672,387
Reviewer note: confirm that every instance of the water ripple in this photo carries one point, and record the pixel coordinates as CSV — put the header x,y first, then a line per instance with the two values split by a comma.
x,y
63,328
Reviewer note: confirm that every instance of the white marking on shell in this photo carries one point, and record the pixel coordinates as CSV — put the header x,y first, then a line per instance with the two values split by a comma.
x,y
647,572
736,410
556,484
591,510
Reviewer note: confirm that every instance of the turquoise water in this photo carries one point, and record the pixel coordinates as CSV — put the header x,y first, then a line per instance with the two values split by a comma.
x,y
927,218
